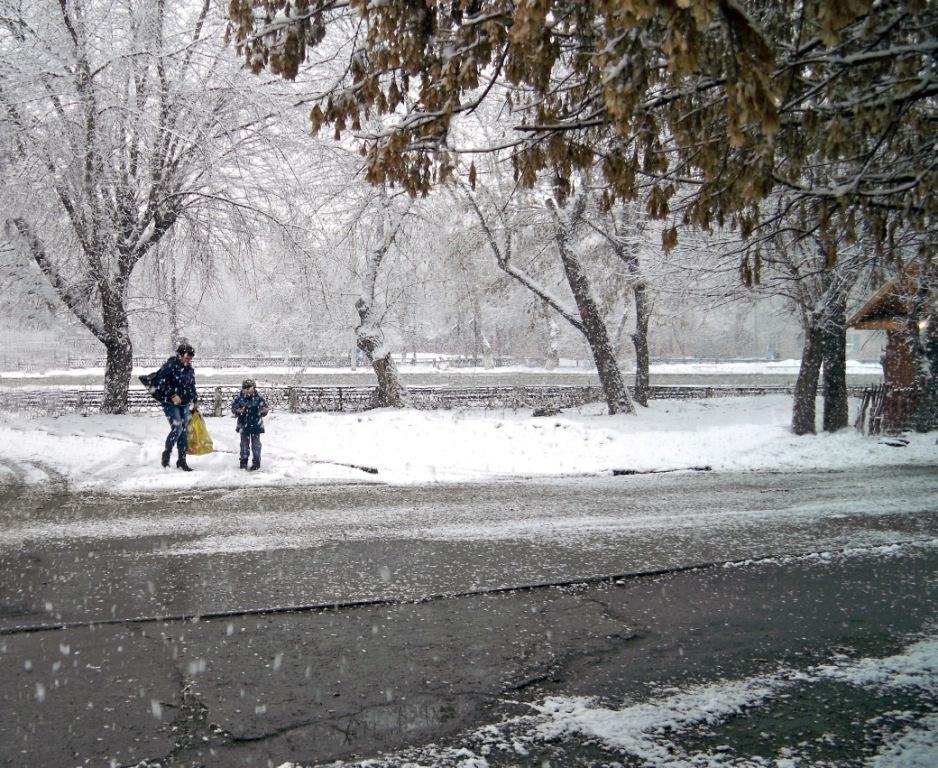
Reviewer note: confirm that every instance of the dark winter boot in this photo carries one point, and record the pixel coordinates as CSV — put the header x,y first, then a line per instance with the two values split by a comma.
x,y
181,462
243,463
164,458
256,464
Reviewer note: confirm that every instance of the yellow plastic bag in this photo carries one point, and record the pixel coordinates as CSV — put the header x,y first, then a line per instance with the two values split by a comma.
x,y
200,441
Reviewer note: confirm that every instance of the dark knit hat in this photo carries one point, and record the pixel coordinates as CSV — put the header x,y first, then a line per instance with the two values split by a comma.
x,y
248,383
185,349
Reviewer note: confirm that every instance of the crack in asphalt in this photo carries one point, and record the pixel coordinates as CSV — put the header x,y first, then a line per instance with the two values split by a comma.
x,y
608,611
190,726
542,664
337,605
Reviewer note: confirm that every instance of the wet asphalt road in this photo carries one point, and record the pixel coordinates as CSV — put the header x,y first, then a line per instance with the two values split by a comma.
x,y
67,557
316,685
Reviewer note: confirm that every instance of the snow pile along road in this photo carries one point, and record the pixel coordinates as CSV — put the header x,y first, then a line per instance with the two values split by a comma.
x,y
120,454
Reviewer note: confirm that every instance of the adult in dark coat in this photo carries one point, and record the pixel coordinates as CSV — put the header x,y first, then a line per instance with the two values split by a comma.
x,y
175,383
250,407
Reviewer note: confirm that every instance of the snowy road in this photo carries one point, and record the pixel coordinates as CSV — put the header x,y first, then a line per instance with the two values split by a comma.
x,y
822,659
89,557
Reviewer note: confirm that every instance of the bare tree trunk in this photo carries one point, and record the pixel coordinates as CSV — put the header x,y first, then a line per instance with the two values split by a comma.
x,y
166,287
172,301
594,328
111,327
621,333
587,319
552,357
803,416
640,341
391,392
119,353
482,350
623,221
118,367
369,338
836,414
821,295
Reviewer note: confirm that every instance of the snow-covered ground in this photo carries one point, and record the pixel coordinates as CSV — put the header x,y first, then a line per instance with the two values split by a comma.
x,y
120,454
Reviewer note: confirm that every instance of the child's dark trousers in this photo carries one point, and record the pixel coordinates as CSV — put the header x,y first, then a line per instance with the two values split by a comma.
x,y
250,443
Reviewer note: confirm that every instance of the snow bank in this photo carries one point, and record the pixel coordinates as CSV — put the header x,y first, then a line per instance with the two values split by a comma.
x,y
121,453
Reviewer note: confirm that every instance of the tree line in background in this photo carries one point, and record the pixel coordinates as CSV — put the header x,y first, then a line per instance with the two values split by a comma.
x,y
590,166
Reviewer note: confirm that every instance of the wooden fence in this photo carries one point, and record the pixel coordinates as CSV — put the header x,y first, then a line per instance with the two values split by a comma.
x,y
888,410
313,399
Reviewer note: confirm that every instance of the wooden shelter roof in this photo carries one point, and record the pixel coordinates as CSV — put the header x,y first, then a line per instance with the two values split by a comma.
x,y
886,309
889,307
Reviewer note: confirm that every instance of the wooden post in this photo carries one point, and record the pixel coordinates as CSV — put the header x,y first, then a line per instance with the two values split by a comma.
x,y
293,400
217,407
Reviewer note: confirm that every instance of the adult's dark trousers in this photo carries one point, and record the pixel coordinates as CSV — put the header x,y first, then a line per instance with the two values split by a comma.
x,y
179,417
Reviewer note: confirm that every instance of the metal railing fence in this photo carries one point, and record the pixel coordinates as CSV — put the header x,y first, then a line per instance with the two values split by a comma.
x,y
313,399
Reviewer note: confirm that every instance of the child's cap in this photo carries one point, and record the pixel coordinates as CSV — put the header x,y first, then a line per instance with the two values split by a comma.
x,y
247,384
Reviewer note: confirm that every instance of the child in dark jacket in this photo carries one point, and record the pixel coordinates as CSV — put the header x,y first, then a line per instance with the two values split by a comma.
x,y
250,407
